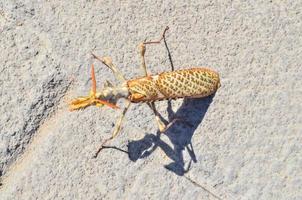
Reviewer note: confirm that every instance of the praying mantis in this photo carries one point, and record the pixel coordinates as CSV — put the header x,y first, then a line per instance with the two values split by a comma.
x,y
195,82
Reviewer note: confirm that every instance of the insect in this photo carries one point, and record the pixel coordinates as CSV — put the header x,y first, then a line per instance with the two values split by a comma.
x,y
185,83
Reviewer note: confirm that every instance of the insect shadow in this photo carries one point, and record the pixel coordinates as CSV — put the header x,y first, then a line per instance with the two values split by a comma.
x,y
190,115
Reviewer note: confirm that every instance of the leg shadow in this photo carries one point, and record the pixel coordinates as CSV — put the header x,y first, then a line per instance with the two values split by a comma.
x,y
191,114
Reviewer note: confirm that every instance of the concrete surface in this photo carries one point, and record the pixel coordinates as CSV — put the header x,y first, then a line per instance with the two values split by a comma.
x,y
243,143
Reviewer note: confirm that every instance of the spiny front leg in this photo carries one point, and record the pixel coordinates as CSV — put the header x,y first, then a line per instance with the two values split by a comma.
x,y
108,62
83,102
116,130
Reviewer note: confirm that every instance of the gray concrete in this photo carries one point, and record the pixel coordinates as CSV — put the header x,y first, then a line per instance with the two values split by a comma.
x,y
246,139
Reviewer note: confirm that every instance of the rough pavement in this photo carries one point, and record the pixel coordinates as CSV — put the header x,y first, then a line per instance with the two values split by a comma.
x,y
243,143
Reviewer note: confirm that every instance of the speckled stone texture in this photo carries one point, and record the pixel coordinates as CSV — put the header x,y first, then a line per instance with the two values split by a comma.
x,y
243,143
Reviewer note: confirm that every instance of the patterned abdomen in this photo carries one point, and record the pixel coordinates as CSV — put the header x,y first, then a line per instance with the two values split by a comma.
x,y
194,83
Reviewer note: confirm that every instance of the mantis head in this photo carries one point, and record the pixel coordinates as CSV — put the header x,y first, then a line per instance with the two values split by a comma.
x,y
83,102
92,99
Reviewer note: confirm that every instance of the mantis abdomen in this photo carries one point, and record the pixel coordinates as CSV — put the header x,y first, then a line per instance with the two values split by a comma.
x,y
193,83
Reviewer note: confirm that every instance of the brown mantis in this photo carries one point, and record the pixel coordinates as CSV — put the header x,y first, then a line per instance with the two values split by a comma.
x,y
189,83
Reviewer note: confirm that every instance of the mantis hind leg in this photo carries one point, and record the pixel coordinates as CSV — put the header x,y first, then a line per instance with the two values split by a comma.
x,y
142,50
159,119
162,126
